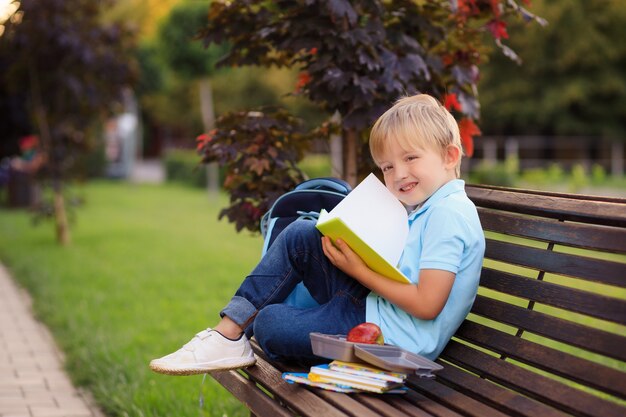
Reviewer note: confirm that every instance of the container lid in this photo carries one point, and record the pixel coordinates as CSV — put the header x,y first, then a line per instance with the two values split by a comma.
x,y
394,358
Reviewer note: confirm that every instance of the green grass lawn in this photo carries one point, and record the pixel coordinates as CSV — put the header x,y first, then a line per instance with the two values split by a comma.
x,y
148,267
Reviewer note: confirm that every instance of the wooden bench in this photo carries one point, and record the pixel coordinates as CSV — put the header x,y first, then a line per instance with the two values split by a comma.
x,y
546,336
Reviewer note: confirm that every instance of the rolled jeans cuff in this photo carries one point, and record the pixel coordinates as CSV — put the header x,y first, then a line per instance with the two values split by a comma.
x,y
239,310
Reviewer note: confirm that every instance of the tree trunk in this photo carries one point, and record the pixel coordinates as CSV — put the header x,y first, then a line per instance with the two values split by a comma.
x,y
336,152
350,149
60,216
47,147
208,120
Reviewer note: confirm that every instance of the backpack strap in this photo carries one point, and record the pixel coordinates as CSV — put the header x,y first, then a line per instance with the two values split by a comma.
x,y
325,183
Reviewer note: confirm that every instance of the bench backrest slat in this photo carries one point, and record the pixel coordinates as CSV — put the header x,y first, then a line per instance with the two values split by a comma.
x,y
565,331
578,301
542,388
551,205
590,236
597,270
560,363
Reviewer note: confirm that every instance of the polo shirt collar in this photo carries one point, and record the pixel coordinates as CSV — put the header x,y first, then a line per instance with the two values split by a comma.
x,y
451,187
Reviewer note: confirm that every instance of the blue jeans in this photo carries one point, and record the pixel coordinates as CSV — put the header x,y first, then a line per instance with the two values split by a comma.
x,y
282,330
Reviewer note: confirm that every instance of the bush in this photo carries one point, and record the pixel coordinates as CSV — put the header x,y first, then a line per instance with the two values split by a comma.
x,y
184,166
598,174
578,179
502,173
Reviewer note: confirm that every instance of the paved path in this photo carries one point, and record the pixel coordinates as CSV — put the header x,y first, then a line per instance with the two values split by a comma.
x,y
32,380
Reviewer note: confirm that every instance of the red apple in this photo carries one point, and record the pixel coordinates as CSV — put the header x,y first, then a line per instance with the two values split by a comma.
x,y
368,333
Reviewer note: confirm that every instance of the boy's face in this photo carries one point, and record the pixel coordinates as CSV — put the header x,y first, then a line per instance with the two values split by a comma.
x,y
413,176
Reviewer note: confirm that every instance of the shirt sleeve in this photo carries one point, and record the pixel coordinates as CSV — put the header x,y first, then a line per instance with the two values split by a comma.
x,y
443,242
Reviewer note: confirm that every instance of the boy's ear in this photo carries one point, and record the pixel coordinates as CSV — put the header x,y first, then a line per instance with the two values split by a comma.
x,y
452,156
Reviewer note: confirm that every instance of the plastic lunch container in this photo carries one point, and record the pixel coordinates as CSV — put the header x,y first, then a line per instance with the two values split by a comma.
x,y
387,357
333,347
394,358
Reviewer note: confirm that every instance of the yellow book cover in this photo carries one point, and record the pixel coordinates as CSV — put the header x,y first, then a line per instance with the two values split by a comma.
x,y
374,223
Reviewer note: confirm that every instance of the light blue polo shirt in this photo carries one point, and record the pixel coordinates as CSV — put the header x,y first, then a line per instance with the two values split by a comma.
x,y
444,233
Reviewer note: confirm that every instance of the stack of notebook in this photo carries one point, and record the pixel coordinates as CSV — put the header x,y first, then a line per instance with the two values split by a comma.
x,y
350,377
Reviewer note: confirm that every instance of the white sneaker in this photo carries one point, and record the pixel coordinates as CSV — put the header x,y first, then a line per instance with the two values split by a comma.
x,y
207,351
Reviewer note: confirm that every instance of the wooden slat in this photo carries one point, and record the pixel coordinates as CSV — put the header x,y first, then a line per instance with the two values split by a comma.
x,y
485,391
539,387
249,394
385,408
399,405
575,334
424,403
595,270
587,236
560,363
576,197
347,403
305,402
611,213
340,403
594,305
452,398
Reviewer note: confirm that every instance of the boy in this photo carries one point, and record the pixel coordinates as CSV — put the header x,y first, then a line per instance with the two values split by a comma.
x,y
417,146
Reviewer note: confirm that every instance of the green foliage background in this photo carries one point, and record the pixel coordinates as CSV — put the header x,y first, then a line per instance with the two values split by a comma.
x,y
573,77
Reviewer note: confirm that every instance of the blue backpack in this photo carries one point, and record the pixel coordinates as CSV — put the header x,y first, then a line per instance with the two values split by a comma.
x,y
305,201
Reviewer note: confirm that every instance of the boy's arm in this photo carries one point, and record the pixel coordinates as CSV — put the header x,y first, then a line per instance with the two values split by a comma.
x,y
424,300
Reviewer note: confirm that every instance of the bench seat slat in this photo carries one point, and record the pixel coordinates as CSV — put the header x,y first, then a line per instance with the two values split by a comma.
x,y
389,407
427,404
556,362
539,387
575,334
305,402
248,393
580,235
452,398
401,405
494,395
346,403
595,270
594,305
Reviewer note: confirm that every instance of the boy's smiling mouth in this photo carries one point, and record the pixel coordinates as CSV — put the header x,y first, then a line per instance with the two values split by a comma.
x,y
408,187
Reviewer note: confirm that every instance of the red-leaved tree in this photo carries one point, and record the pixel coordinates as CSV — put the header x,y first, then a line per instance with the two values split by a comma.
x,y
355,58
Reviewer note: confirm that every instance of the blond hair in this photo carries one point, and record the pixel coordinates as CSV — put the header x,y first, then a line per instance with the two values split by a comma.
x,y
417,121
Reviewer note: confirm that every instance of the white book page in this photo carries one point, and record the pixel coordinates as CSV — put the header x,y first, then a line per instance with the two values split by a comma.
x,y
376,216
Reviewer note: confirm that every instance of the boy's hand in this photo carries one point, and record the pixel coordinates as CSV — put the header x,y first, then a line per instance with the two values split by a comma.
x,y
343,257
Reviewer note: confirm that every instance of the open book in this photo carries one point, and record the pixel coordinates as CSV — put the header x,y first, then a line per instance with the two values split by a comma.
x,y
373,222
